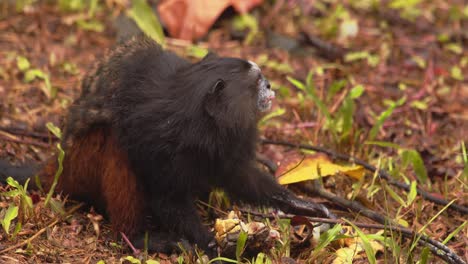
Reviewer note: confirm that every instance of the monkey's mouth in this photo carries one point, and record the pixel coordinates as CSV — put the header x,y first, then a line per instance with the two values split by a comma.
x,y
265,95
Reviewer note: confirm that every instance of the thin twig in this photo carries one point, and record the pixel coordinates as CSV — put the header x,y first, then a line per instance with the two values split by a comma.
x,y
26,133
25,141
381,173
51,224
135,251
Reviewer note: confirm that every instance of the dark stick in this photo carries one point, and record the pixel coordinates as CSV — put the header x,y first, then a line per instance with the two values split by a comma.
x,y
25,141
26,133
382,173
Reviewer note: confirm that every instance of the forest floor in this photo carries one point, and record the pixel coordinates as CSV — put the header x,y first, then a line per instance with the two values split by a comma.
x,y
417,66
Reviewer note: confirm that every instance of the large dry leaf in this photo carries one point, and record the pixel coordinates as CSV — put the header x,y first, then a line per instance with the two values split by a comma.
x,y
352,248
191,19
313,167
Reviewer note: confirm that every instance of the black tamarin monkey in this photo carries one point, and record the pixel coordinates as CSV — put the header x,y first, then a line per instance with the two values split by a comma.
x,y
151,132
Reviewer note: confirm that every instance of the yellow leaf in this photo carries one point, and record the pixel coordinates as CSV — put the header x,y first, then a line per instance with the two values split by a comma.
x,y
354,250
314,167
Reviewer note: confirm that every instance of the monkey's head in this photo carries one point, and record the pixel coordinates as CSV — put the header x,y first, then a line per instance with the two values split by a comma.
x,y
235,91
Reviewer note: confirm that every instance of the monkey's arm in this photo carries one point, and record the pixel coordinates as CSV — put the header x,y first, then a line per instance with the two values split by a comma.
x,y
257,187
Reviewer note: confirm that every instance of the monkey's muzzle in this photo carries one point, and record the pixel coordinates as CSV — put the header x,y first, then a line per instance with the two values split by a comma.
x,y
265,95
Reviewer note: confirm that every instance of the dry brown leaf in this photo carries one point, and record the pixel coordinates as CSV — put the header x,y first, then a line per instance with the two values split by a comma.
x,y
191,19
352,248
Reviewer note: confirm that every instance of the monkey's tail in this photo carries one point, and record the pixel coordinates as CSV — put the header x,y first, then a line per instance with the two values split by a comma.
x,y
20,173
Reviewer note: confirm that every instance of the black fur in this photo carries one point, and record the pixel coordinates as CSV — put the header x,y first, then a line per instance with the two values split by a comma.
x,y
186,129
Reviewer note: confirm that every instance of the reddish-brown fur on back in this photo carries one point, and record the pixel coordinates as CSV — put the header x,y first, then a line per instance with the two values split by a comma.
x,y
96,170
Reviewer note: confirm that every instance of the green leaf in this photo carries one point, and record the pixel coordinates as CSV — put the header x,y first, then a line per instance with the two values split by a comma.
x,y
197,51
146,20
221,259
412,193
335,87
454,233
455,48
273,114
299,85
395,196
456,73
93,7
57,207
61,155
101,262
22,63
346,113
240,246
151,261
132,260
259,259
32,74
419,61
425,253
356,92
12,193
421,230
383,144
413,157
71,5
384,116
13,183
90,25
310,91
11,213
26,200
17,230
54,129
370,252
357,55
249,22
326,238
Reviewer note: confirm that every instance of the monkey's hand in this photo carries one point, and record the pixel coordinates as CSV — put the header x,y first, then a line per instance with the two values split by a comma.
x,y
289,202
260,188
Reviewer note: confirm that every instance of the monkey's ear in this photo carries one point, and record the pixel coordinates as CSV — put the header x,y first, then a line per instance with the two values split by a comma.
x,y
212,100
218,86
210,56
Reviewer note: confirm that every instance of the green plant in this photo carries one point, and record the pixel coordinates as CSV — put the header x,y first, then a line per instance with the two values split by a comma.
x,y
61,155
408,8
30,74
326,238
384,116
10,214
25,207
146,20
246,22
340,123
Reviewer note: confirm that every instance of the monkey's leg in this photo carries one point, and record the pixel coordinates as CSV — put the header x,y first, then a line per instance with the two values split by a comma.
x,y
123,196
179,215
257,187
163,242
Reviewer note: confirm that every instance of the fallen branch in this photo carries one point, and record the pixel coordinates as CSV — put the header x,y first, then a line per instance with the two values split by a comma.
x,y
26,133
381,173
24,141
